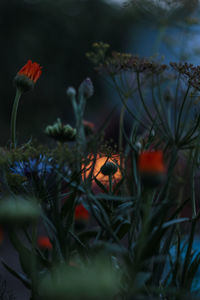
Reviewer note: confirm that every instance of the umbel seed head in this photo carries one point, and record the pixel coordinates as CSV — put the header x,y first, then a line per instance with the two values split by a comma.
x,y
109,168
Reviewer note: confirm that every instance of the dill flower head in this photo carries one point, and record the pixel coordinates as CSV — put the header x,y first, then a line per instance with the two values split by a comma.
x,y
28,76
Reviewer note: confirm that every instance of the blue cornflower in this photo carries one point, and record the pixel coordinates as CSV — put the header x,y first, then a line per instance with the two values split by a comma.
x,y
34,166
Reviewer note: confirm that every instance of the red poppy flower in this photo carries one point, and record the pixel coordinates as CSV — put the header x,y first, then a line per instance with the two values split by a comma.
x,y
31,70
81,213
152,162
44,242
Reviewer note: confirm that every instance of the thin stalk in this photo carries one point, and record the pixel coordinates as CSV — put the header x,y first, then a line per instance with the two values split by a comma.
x,y
157,110
181,111
121,122
110,184
14,118
176,99
188,253
124,103
142,98
194,210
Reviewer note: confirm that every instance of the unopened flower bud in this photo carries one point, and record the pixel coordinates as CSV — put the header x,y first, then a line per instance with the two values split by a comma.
x,y
87,88
61,132
109,168
151,168
138,145
81,217
27,76
71,92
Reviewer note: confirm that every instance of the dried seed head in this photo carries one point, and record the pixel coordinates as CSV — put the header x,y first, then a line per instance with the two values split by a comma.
x,y
109,168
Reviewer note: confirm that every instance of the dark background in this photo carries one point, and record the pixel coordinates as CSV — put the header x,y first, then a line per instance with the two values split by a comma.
x,y
57,34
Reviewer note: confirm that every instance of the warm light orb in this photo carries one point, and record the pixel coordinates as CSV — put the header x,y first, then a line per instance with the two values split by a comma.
x,y
101,159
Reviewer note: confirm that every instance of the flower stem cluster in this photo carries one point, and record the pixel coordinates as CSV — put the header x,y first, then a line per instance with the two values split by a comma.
x,y
61,132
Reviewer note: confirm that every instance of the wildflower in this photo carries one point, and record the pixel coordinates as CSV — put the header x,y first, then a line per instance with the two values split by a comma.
x,y
28,76
81,217
24,81
33,168
44,242
151,167
109,168
81,213
61,132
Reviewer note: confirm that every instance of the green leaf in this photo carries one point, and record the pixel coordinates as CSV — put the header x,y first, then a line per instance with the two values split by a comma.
x,y
24,253
100,185
18,275
113,197
176,221
192,271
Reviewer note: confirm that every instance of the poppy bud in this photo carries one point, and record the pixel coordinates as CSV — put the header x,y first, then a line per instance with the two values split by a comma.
x,y
44,242
81,216
27,76
151,168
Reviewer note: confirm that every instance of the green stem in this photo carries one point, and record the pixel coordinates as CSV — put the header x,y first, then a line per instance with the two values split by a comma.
x,y
142,98
33,260
110,184
181,111
188,253
14,117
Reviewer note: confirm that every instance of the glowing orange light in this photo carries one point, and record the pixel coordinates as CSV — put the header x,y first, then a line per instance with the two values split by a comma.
x,y
100,161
